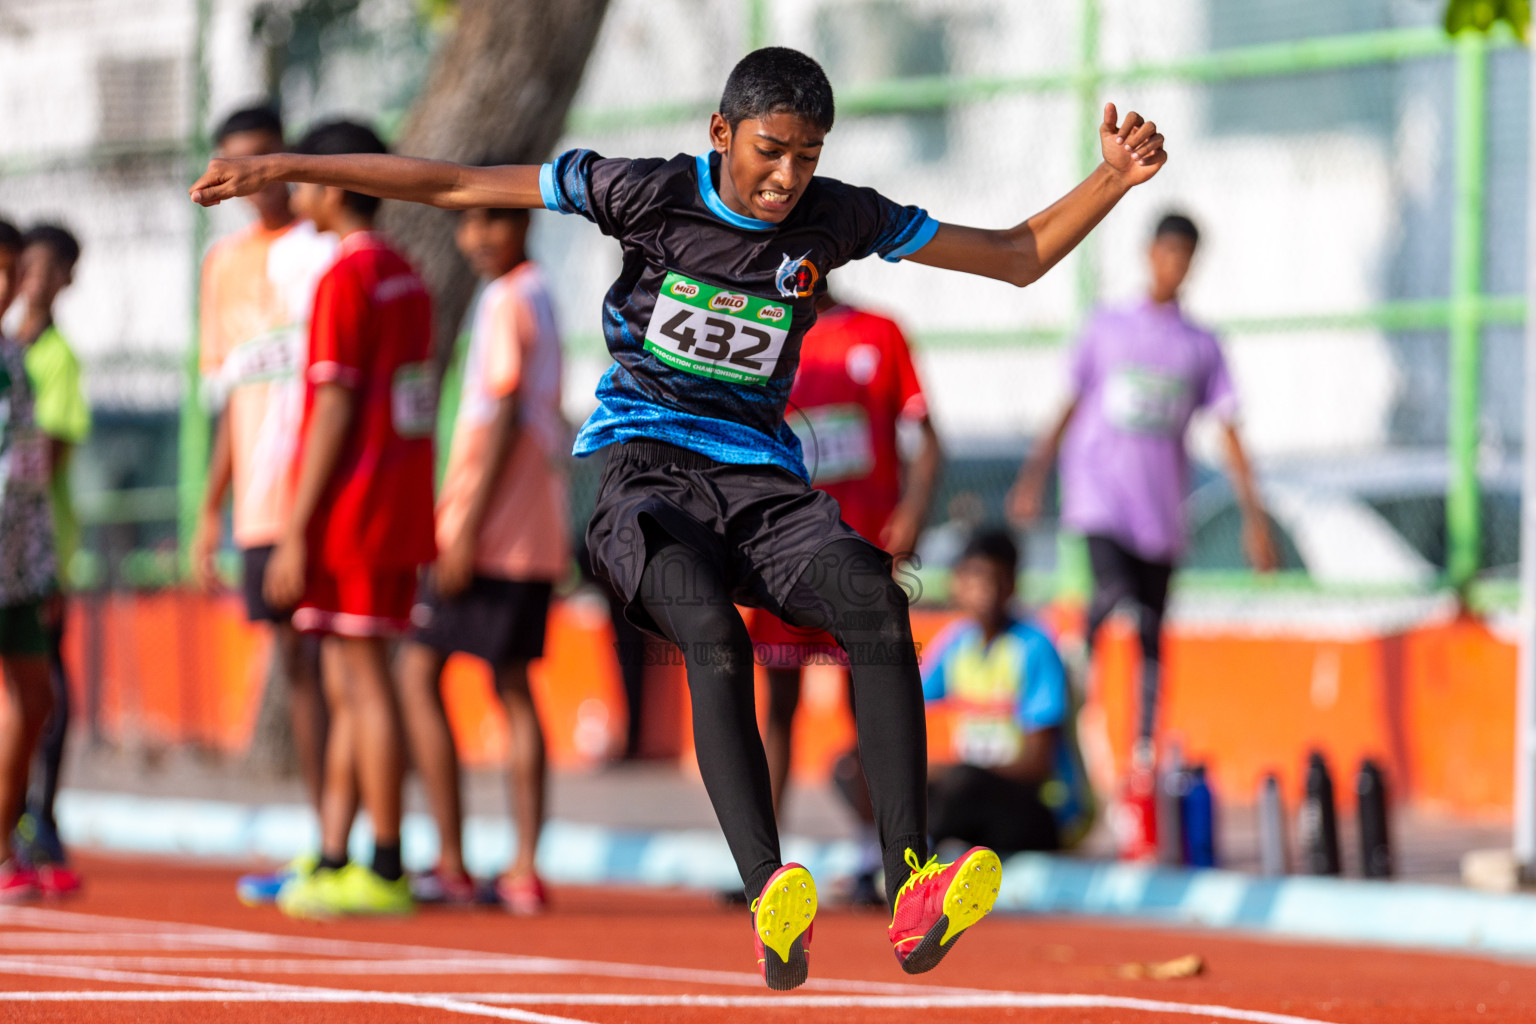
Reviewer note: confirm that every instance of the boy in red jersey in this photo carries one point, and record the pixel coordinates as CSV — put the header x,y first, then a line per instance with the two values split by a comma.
x,y
361,525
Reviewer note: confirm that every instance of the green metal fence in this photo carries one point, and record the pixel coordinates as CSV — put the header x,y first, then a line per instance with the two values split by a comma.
x,y
1085,73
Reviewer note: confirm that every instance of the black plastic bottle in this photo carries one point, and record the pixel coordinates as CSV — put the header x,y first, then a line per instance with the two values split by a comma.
x,y
1319,824
1375,845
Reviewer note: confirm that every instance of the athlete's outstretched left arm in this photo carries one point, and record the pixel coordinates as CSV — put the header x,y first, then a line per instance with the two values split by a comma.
x,y
1020,255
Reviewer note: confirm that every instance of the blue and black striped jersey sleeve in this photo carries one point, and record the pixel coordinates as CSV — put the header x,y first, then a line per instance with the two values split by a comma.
x,y
875,224
599,189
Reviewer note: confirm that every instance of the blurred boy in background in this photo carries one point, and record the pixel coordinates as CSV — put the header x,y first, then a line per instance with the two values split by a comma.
x,y
1139,373
48,257
257,286
502,544
360,527
1013,778
27,579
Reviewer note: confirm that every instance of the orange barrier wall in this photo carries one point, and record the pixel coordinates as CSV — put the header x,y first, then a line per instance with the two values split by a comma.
x,y
1435,705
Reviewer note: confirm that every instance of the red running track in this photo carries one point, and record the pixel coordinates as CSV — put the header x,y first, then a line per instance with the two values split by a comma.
x,y
157,942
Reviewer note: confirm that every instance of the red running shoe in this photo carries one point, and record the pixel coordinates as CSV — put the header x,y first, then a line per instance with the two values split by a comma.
x,y
939,901
17,882
54,880
782,919
523,895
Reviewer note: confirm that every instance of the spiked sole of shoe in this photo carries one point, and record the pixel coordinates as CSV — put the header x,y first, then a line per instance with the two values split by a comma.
x,y
970,897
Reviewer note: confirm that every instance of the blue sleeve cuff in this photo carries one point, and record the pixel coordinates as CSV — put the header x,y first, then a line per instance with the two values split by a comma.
x,y
547,187
921,237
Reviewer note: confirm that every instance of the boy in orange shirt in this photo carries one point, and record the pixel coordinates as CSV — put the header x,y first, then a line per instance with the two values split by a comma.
x,y
501,533
257,286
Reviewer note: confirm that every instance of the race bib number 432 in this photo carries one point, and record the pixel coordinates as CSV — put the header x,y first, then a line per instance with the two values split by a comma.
x,y
717,333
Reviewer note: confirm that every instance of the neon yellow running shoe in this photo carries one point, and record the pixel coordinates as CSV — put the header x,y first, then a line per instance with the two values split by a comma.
x,y
782,919
939,901
351,891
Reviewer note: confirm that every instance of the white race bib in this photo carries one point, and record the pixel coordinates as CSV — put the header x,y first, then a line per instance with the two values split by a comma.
x,y
413,400
836,442
1143,401
987,741
713,332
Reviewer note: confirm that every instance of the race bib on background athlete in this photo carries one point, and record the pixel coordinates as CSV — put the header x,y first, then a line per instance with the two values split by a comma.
x,y
412,401
837,442
717,333
1143,401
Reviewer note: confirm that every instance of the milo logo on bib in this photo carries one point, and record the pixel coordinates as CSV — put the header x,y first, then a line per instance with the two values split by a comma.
x,y
717,333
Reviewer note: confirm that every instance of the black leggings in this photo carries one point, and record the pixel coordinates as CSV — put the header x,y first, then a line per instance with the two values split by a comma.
x,y
49,761
847,590
983,808
1120,575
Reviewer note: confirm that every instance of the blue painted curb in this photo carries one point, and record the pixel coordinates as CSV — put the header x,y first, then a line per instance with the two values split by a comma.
x,y
1334,909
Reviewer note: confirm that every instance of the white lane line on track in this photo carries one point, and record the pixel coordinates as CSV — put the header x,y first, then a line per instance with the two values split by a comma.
x,y
233,990
390,958
476,1000
204,936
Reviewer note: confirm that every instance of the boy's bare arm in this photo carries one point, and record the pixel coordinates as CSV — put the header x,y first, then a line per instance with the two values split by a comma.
x,y
210,520
433,182
328,423
1133,152
456,564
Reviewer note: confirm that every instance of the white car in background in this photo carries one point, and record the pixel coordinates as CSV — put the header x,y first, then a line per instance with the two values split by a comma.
x,y
1374,521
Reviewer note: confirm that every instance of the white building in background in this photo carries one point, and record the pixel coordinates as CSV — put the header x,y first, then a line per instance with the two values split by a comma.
x,y
1312,204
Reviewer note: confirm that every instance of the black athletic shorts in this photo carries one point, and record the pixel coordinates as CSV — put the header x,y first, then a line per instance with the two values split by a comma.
x,y
256,607
499,621
762,525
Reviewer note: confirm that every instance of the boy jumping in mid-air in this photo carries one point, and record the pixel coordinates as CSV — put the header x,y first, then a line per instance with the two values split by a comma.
x,y
360,526
705,500
26,581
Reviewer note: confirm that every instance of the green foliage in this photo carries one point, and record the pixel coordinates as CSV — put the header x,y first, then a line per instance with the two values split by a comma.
x,y
1482,15
437,13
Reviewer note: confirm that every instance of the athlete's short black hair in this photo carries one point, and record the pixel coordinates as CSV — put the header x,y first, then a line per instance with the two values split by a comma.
x,y
57,239
260,118
1180,226
777,80
995,546
342,138
10,237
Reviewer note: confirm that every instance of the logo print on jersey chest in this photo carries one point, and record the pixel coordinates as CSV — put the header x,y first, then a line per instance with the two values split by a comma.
x,y
796,277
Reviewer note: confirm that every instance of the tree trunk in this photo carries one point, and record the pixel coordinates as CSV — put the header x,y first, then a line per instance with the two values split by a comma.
x,y
498,93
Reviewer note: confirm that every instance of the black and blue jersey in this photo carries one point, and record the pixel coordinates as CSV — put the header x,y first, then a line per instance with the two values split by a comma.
x,y
705,320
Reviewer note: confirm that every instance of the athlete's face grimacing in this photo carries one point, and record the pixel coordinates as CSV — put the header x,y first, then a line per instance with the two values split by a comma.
x,y
766,162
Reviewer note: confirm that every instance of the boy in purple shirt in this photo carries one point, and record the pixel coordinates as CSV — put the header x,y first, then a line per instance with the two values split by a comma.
x,y
1138,375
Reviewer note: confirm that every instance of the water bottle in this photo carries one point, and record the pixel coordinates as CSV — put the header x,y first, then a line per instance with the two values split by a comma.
x,y
1272,859
1375,847
1171,787
1135,814
1319,824
1198,811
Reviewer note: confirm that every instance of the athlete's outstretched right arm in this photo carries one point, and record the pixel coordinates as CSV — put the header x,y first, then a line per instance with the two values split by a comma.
x,y
433,182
